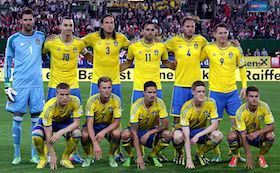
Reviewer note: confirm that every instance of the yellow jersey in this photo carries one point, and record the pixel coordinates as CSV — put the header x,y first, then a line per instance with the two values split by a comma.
x,y
104,113
251,121
194,118
54,113
147,59
64,61
187,55
146,118
106,60
222,66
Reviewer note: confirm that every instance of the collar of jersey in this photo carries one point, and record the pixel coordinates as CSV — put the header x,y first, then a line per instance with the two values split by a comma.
x,y
64,41
223,48
147,45
182,35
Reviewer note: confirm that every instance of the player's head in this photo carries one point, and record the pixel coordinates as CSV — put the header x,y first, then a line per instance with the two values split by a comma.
x,y
105,86
107,26
150,91
63,94
188,25
27,20
67,26
252,95
198,90
221,33
149,31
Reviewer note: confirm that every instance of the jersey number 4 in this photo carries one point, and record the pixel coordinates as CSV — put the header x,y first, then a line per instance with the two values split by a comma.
x,y
189,53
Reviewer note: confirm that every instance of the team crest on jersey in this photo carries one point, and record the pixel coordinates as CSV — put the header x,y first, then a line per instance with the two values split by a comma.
x,y
116,43
75,50
154,113
206,113
195,45
230,55
156,52
37,41
110,109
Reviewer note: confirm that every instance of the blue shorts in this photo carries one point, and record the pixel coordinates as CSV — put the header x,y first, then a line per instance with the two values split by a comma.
x,y
116,89
139,94
202,139
75,92
229,101
150,141
32,97
55,125
180,96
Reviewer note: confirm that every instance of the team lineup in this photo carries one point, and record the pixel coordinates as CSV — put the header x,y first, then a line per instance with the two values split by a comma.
x,y
196,117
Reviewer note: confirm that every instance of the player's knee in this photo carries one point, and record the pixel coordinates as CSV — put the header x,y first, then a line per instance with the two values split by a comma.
x,y
76,133
18,116
116,134
270,137
178,137
167,135
126,135
34,117
37,132
232,136
216,136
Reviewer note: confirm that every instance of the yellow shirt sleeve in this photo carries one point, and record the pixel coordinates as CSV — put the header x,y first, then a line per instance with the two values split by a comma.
x,y
240,123
184,119
87,39
125,42
165,53
90,107
134,113
77,112
117,108
46,47
268,117
130,55
203,54
47,116
213,108
242,69
169,45
162,111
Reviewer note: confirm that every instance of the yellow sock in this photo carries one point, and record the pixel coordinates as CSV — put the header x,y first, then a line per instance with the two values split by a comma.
x,y
206,147
265,147
113,147
71,146
217,151
88,148
38,143
158,147
234,145
127,147
179,148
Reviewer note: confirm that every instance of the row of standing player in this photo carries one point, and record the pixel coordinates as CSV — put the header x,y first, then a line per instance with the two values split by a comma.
x,y
64,50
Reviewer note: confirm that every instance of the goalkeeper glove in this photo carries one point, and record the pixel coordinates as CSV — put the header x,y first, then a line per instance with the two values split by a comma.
x,y
10,92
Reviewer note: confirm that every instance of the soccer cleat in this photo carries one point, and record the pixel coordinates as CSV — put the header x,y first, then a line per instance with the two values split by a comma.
x,y
87,162
76,158
112,162
262,162
162,158
119,157
233,162
16,160
155,161
41,164
35,159
66,163
127,162
202,160
217,159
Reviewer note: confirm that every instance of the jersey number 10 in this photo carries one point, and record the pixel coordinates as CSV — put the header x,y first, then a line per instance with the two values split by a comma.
x,y
66,57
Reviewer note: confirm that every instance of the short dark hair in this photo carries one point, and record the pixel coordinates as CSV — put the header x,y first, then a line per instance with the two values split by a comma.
x,y
149,84
27,11
65,18
188,18
197,84
101,30
103,79
62,86
221,25
148,22
251,88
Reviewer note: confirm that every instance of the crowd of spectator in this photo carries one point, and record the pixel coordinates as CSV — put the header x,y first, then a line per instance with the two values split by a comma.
x,y
130,17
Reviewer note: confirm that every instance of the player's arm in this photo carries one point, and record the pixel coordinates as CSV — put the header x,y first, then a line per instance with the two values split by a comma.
x,y
48,135
136,144
249,161
186,132
96,147
87,55
108,129
203,54
209,129
67,129
242,72
169,64
129,61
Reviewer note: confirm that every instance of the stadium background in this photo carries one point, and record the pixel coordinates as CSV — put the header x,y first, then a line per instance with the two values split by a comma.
x,y
254,23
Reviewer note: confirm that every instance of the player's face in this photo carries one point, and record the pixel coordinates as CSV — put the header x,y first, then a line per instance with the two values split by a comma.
x,y
67,27
221,35
105,89
199,93
189,28
253,98
150,94
63,96
108,24
149,32
27,22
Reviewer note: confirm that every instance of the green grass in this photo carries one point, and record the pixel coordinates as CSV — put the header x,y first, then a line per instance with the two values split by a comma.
x,y
269,94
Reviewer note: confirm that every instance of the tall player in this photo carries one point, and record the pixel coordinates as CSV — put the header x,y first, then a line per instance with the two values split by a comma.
x,y
186,48
103,113
223,60
147,55
249,118
106,45
25,48
64,51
